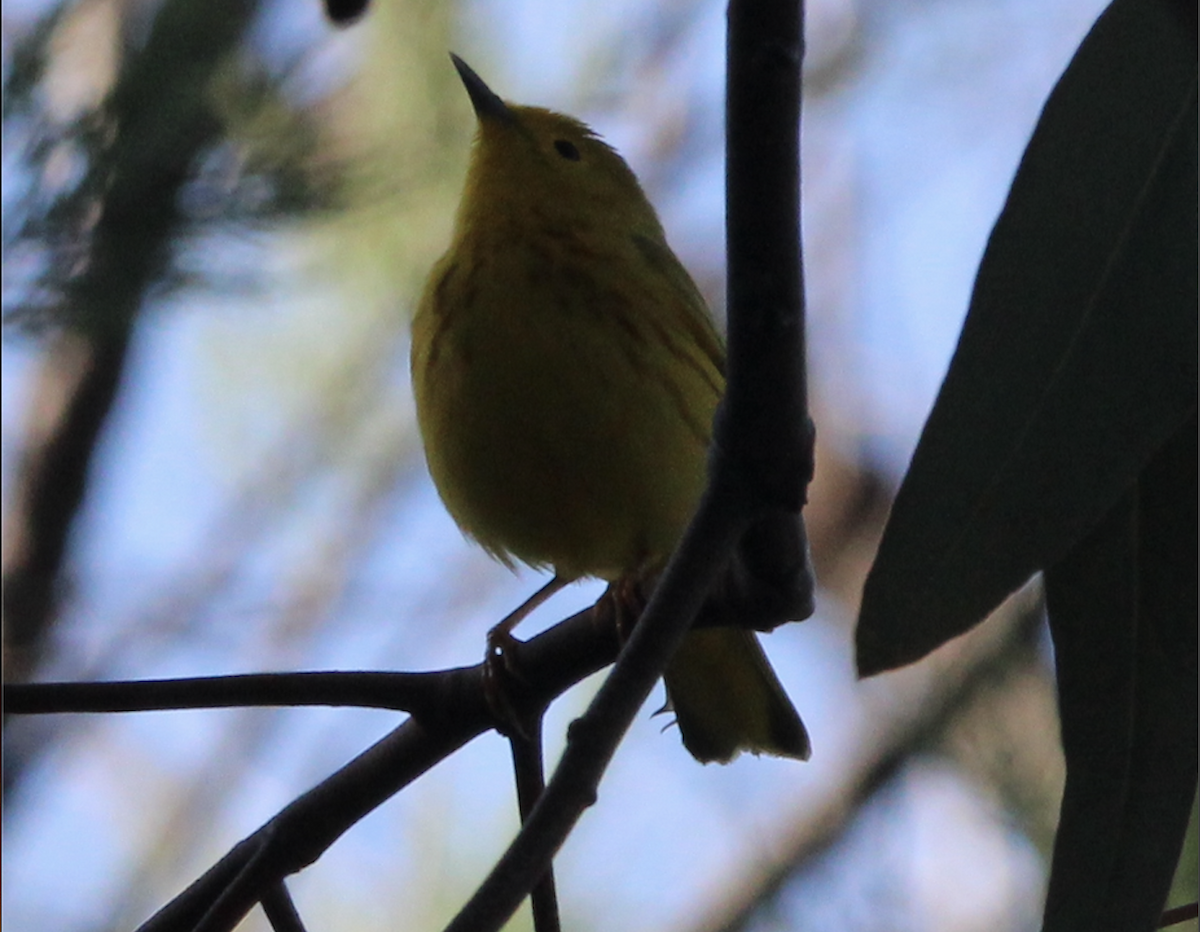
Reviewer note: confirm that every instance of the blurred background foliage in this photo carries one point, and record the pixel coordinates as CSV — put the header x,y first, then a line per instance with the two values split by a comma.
x,y
216,218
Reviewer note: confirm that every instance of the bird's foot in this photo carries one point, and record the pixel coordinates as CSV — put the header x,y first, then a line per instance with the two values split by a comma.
x,y
502,676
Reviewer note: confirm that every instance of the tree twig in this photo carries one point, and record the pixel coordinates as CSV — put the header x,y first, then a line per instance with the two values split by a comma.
x,y
281,911
401,692
528,767
550,663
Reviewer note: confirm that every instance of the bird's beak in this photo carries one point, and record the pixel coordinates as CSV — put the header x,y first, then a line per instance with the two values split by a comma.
x,y
487,105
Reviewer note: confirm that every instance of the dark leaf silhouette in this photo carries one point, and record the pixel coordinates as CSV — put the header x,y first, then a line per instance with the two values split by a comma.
x,y
1123,615
1064,440
1078,356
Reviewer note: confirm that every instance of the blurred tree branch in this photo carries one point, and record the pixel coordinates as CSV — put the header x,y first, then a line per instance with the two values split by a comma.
x,y
141,145
118,171
78,382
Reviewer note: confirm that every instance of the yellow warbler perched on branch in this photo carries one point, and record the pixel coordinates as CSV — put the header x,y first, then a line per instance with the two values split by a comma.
x,y
566,373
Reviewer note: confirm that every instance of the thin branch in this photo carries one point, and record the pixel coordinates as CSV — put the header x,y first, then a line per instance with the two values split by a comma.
x,y
281,911
528,767
305,829
242,892
402,692
429,694
300,833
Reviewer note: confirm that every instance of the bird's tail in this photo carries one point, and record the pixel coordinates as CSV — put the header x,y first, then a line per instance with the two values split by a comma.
x,y
727,698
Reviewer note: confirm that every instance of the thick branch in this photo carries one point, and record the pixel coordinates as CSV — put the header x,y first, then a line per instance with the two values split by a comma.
x,y
765,427
763,424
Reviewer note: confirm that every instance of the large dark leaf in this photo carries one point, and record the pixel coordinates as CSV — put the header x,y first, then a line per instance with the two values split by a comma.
x,y
1077,360
1122,609
1093,596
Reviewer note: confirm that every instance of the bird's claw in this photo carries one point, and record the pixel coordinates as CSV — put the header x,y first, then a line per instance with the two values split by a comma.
x,y
501,672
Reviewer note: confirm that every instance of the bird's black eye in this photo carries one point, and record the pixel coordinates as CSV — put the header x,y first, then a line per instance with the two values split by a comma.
x,y
566,149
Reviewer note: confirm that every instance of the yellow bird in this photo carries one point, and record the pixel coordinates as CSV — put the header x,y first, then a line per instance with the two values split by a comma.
x,y
566,372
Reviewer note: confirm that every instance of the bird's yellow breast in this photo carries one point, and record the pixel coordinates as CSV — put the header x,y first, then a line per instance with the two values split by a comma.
x,y
565,384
